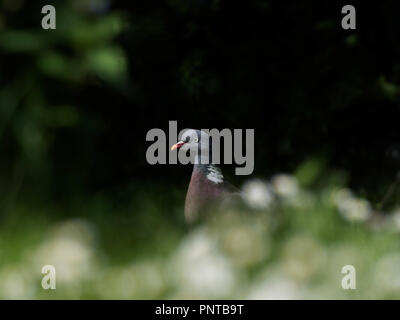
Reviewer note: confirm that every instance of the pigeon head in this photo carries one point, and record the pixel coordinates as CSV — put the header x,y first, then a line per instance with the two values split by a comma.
x,y
198,143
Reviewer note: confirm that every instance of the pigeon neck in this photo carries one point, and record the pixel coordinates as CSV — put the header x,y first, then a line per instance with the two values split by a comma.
x,y
211,171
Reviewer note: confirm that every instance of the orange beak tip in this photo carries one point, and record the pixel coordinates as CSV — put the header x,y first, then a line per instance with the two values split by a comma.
x,y
177,145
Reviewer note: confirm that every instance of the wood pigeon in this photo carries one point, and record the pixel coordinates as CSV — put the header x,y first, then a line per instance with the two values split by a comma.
x,y
207,185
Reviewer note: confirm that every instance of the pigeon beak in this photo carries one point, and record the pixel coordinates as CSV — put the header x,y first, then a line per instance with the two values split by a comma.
x,y
177,145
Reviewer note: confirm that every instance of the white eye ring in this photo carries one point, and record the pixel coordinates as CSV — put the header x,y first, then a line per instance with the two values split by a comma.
x,y
196,139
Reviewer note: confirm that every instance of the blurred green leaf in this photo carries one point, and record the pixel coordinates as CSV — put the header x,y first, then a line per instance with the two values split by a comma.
x,y
108,63
309,170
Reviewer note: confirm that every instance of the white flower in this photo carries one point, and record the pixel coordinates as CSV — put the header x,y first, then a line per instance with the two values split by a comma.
x,y
274,287
352,208
200,269
69,249
257,194
355,209
285,185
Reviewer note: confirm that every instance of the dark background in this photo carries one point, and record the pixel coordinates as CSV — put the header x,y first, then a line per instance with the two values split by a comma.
x,y
76,191
74,121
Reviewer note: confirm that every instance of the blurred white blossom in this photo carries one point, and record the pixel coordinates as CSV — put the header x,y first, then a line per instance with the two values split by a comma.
x,y
287,188
69,248
200,269
351,207
257,194
274,286
285,185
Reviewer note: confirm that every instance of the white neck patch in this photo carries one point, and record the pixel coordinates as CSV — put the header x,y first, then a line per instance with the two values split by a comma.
x,y
214,174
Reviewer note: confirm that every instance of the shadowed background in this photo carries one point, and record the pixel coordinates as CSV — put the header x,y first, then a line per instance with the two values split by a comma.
x,y
76,104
